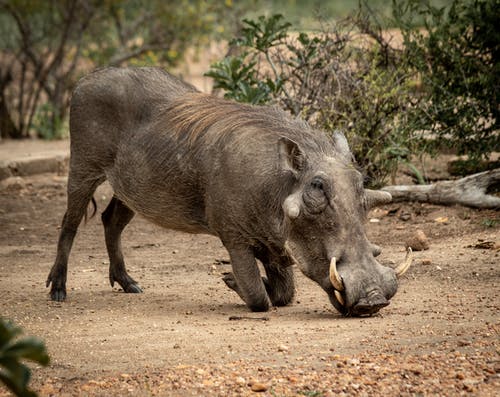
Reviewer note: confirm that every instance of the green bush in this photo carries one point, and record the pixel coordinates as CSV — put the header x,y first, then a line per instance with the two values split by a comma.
x,y
441,88
47,122
455,57
334,79
13,373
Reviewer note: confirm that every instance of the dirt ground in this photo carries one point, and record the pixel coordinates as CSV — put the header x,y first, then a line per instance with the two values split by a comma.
x,y
189,335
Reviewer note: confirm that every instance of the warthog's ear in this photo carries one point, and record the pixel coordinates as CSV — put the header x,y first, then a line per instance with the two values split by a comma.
x,y
342,146
290,156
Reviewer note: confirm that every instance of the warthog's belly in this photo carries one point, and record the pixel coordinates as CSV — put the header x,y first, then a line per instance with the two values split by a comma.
x,y
160,201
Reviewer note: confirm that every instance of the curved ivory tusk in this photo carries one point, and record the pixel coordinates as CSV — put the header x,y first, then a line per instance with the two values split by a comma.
x,y
377,197
335,278
403,267
338,295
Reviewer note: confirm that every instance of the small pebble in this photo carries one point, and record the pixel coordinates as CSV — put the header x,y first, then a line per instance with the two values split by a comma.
x,y
405,216
259,387
240,380
418,241
282,348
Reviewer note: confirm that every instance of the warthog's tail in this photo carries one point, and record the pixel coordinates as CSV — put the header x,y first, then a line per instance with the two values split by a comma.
x,y
94,210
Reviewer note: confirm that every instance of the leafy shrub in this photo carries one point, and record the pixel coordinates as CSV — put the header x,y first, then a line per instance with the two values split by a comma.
x,y
334,79
440,88
14,374
47,122
455,57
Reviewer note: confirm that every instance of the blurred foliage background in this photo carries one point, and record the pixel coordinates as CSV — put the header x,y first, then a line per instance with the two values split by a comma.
x,y
400,77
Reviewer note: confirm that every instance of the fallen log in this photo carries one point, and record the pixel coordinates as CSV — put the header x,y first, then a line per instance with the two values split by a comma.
x,y
471,191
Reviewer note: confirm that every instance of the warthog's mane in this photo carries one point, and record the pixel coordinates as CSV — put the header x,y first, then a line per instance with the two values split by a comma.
x,y
196,115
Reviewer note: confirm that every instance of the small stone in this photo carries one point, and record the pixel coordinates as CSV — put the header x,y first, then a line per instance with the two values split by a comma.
x,y
353,361
418,241
259,387
282,348
417,369
469,385
239,380
13,183
426,262
405,216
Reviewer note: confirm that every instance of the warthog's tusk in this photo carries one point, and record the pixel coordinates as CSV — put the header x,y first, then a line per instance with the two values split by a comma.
x,y
338,295
377,197
335,278
403,267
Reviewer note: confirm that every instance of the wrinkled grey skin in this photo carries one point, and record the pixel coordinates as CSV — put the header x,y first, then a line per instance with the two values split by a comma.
x,y
200,164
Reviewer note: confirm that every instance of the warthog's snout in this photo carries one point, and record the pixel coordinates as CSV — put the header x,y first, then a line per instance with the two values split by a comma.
x,y
362,293
369,304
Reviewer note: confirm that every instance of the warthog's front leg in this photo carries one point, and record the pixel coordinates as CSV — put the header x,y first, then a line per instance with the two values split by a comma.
x,y
279,283
246,280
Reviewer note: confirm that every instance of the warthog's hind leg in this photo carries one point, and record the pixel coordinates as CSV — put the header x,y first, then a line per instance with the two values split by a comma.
x,y
116,216
80,193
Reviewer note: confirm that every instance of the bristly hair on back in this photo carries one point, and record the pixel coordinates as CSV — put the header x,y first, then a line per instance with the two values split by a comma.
x,y
194,114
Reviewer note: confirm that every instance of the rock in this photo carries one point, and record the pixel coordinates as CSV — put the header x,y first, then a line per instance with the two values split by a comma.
x,y
405,216
13,183
259,387
239,380
418,241
353,361
282,348
426,262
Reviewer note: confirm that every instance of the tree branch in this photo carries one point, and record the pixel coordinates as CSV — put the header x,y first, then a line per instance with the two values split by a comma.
x,y
469,191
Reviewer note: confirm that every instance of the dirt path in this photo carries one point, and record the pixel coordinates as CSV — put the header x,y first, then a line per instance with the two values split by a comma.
x,y
439,335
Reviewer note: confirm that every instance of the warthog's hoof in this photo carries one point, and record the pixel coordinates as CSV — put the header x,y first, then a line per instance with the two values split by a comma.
x,y
58,294
132,289
254,304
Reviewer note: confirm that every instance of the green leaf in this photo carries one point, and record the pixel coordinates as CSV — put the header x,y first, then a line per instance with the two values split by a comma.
x,y
29,348
7,332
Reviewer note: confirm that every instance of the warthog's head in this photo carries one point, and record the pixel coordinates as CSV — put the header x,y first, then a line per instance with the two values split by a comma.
x,y
324,217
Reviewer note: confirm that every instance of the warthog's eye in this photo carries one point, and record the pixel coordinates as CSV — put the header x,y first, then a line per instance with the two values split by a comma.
x,y
315,196
317,183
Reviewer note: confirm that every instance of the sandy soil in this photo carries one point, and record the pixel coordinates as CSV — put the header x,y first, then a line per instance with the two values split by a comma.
x,y
438,336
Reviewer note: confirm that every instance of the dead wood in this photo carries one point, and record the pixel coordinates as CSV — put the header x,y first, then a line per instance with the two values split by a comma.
x,y
471,191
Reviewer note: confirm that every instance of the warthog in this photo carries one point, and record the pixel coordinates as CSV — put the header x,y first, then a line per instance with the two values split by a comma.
x,y
268,185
